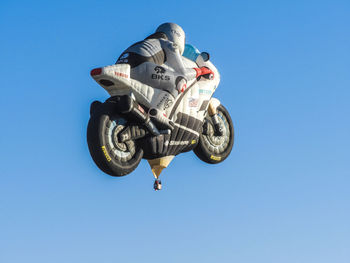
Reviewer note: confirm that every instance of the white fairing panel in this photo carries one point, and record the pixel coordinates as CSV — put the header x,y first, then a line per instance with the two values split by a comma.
x,y
193,101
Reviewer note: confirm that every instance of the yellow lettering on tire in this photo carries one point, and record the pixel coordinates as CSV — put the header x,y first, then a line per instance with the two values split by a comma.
x,y
216,158
104,150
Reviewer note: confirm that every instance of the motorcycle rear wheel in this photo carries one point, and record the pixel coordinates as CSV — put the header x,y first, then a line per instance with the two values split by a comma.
x,y
215,149
111,156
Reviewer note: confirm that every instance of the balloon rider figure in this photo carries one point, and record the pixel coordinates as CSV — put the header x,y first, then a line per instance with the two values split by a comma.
x,y
147,58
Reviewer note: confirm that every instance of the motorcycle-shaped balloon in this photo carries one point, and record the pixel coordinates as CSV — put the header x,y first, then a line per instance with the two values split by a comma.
x,y
139,121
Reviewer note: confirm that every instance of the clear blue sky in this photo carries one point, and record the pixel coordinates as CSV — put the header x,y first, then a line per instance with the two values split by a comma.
x,y
283,194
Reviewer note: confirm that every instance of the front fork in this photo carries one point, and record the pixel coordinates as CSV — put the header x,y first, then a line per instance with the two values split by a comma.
x,y
213,113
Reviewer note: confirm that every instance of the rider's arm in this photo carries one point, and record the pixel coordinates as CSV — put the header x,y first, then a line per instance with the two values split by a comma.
x,y
176,62
174,59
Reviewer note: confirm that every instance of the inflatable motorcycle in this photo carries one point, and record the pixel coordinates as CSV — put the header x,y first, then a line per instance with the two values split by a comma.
x,y
129,126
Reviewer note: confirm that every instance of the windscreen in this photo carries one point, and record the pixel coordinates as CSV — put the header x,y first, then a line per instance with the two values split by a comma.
x,y
191,52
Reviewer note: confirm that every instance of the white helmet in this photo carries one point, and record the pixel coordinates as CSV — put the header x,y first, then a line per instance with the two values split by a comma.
x,y
174,33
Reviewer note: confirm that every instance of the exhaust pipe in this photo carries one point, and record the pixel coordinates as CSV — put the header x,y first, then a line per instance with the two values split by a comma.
x,y
160,119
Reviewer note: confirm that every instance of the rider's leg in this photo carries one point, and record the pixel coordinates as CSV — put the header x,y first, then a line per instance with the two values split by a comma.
x,y
161,78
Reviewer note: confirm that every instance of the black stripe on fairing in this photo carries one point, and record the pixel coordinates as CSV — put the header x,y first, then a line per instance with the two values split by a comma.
x,y
204,105
184,135
180,136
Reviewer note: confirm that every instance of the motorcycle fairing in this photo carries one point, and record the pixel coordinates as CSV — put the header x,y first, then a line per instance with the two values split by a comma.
x,y
187,111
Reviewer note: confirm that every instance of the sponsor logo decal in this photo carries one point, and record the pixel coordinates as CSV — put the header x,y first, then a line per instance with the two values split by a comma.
x,y
205,91
123,58
160,74
193,102
193,142
119,74
172,143
104,150
166,102
161,77
159,70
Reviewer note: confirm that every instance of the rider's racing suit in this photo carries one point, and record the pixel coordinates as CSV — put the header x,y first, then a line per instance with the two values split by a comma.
x,y
156,62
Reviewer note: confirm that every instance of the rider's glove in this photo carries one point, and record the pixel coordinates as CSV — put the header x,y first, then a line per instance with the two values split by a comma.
x,y
204,71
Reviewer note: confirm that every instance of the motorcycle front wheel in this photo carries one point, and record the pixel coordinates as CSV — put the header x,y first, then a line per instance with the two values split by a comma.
x,y
109,154
212,148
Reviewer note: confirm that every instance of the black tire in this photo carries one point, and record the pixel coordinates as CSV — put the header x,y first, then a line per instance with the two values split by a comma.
x,y
112,157
215,149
